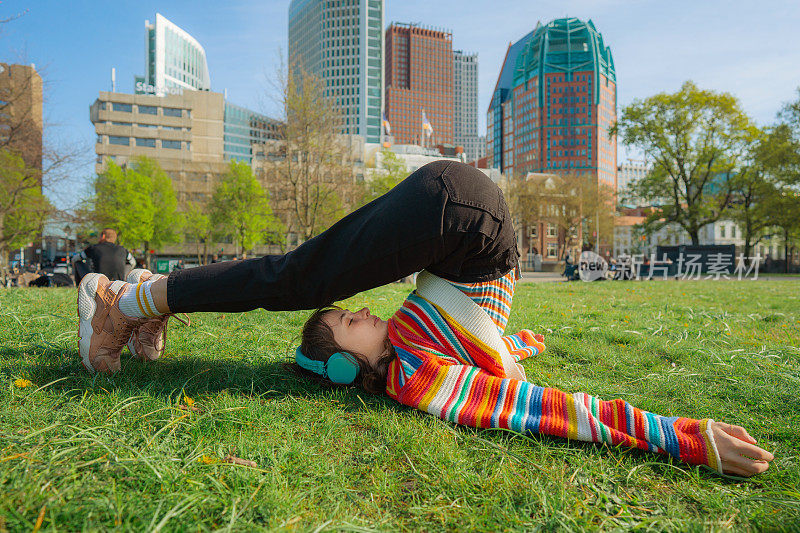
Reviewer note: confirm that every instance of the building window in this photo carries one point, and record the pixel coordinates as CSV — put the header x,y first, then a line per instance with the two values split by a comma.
x,y
127,108
122,141
551,230
733,232
551,249
147,143
148,109
172,112
174,145
722,231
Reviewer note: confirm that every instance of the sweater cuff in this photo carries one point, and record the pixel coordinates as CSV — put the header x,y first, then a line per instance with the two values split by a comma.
x,y
706,424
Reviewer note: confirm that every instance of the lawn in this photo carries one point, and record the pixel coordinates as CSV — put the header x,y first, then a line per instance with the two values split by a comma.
x,y
147,448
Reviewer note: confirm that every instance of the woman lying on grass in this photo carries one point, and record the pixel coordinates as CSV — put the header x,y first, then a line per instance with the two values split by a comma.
x,y
441,352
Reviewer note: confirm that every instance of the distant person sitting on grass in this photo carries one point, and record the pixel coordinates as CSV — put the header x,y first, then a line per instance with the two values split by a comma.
x,y
441,352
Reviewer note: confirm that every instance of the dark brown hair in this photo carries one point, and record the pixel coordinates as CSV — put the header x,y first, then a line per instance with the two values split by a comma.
x,y
317,343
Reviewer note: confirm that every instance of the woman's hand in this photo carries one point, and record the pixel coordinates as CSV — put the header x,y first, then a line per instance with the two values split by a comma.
x,y
738,452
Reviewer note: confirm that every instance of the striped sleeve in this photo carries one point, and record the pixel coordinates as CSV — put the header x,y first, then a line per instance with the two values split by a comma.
x,y
524,344
473,397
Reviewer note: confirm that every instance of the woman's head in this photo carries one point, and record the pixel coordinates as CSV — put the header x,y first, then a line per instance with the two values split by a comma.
x,y
363,335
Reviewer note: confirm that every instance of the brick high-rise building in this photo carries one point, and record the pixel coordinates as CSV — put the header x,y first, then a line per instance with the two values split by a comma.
x,y
419,78
21,112
555,101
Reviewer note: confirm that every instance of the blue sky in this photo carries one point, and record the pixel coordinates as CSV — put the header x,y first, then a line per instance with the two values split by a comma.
x,y
747,48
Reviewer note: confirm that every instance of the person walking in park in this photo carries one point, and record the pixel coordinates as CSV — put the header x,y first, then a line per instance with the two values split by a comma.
x,y
442,352
106,257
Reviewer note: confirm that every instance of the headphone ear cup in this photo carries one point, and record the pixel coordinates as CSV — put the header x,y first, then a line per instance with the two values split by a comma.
x,y
342,368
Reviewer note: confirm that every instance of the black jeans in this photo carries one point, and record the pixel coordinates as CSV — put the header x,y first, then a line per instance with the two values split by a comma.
x,y
447,218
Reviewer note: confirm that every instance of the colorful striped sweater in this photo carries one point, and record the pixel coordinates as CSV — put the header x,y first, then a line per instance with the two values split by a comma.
x,y
441,369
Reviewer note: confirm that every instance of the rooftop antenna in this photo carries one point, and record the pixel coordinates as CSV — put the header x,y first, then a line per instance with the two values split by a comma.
x,y
113,80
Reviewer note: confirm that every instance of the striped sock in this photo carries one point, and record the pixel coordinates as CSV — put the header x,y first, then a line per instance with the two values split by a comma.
x,y
138,301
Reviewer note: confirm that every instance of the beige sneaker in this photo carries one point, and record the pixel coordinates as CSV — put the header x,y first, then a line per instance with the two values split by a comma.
x,y
148,341
103,328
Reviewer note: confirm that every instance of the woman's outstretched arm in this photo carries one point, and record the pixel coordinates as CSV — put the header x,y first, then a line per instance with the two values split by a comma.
x,y
470,396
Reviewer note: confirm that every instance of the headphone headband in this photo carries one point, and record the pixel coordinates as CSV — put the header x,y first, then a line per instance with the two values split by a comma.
x,y
341,368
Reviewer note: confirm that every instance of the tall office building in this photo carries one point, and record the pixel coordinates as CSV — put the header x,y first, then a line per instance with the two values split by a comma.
x,y
553,107
419,78
245,129
341,42
628,173
465,104
174,60
21,112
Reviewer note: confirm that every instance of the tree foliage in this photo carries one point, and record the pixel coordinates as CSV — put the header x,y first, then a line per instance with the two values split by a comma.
x,y
393,171
310,171
23,207
240,207
139,202
696,140
571,202
199,228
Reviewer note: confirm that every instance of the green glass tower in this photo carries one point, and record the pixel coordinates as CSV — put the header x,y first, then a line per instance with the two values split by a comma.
x,y
341,42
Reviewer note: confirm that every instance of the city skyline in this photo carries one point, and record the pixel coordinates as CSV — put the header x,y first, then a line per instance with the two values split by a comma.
x,y
656,48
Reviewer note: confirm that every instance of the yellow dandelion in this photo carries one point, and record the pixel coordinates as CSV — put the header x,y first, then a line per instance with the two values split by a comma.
x,y
207,459
188,401
22,383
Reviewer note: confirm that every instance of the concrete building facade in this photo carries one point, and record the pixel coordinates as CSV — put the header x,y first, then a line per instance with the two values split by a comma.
x,y
419,79
183,132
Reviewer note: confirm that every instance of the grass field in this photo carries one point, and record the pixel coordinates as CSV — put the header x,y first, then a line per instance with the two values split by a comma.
x,y
146,449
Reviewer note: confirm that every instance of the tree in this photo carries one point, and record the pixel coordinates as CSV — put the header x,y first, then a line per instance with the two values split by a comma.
x,y
696,140
310,170
199,228
240,207
23,207
139,202
393,171
574,203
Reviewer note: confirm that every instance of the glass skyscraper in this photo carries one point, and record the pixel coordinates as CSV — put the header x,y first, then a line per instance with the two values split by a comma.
x,y
174,60
465,103
243,129
341,42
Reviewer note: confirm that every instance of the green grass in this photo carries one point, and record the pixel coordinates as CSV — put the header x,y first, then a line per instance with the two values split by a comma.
x,y
120,453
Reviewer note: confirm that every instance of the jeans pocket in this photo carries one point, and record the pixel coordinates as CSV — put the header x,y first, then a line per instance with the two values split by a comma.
x,y
470,187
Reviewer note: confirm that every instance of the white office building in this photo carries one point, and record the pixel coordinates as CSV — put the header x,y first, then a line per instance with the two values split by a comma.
x,y
465,105
628,173
174,61
342,43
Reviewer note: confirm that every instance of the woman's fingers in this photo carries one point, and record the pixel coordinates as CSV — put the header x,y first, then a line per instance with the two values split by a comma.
x,y
737,453
737,431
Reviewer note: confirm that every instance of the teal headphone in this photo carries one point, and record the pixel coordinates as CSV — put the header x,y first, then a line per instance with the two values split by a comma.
x,y
341,367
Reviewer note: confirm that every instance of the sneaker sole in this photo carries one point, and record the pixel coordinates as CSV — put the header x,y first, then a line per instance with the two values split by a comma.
x,y
87,306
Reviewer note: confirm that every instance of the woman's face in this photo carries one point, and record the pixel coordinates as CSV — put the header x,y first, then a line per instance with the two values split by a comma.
x,y
359,332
